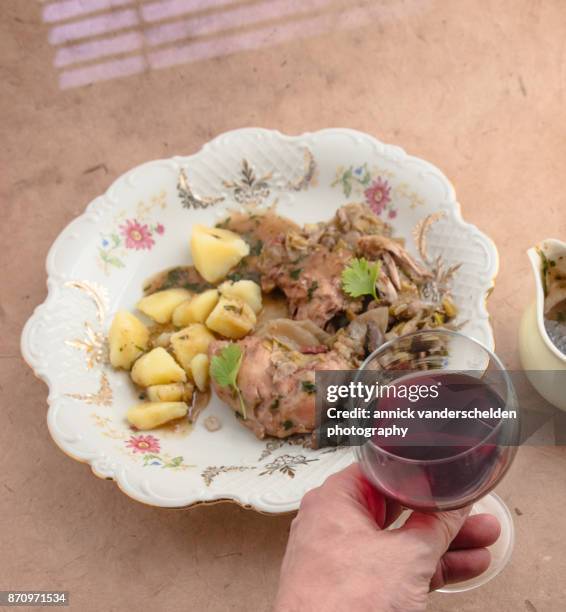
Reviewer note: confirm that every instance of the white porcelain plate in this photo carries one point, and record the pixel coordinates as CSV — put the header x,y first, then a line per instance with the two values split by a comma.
x,y
142,224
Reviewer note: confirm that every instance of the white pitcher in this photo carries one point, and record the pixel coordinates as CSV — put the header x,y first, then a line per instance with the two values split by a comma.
x,y
539,356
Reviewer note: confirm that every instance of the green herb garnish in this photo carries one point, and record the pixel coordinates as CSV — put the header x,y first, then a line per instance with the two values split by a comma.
x,y
288,424
308,387
255,250
294,274
359,278
224,223
224,370
174,276
197,287
233,308
235,277
311,290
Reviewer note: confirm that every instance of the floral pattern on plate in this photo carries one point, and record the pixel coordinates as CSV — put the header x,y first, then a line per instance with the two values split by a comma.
x,y
131,234
376,187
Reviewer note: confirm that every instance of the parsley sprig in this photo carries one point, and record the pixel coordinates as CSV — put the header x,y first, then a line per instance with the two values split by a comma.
x,y
359,278
308,386
224,369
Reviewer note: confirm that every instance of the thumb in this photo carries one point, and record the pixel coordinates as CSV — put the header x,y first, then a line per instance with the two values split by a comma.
x,y
350,486
436,529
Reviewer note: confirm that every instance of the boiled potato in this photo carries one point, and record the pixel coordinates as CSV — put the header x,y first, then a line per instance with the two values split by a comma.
x,y
216,251
161,304
199,370
157,368
152,414
128,338
246,290
231,318
173,392
190,341
195,310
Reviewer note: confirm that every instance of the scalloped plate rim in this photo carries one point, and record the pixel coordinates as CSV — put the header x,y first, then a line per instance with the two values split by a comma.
x,y
53,283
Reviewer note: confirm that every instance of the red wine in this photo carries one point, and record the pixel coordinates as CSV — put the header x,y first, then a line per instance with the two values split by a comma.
x,y
439,462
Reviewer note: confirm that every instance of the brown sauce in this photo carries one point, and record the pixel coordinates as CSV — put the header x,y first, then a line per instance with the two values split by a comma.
x,y
185,277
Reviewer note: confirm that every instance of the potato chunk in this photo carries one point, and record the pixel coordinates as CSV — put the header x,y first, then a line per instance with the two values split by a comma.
x,y
231,318
128,338
157,368
199,370
246,290
195,310
151,414
173,392
216,251
160,305
189,342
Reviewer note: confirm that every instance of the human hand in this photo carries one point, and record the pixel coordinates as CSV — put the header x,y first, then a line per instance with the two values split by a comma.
x,y
338,555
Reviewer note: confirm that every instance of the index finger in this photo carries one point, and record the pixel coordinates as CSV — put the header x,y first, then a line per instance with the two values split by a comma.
x,y
478,531
437,529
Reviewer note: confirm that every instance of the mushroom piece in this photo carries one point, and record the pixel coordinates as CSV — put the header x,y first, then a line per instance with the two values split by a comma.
x,y
363,335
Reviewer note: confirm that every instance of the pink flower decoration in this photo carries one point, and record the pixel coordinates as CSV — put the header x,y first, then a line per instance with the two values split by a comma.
x,y
378,195
143,444
392,214
137,236
159,228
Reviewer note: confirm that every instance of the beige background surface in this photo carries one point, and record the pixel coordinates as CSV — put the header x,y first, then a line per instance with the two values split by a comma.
x,y
475,86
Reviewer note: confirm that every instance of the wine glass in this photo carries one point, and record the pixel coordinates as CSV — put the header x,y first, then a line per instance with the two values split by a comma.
x,y
442,463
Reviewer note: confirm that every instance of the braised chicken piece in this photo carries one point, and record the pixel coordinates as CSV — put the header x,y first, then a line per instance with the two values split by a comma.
x,y
310,280
277,386
277,371
307,264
